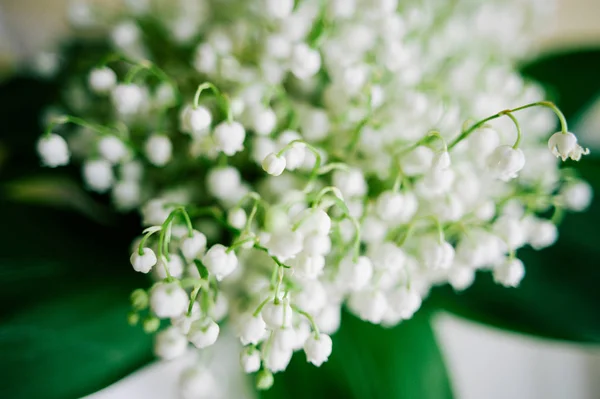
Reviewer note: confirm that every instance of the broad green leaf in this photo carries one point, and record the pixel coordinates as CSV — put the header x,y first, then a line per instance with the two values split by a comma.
x,y
369,361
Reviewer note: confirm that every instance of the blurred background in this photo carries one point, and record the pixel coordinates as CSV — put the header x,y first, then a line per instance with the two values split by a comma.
x,y
546,346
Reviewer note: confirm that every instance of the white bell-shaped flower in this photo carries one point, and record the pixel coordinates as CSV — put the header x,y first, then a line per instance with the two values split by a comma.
x,y
509,273
461,277
505,162
389,205
250,360
318,349
512,230
264,121
224,182
274,164
541,233
159,149
564,145
53,150
128,99
285,244
236,217
417,162
313,220
143,263
405,302
369,305
251,329
102,80
307,266
98,175
170,344
168,300
193,246
351,182
219,262
229,137
284,338
112,149
277,315
203,333
576,196
387,256
305,61
316,245
276,359
356,276
436,255
175,265
441,161
329,319
195,121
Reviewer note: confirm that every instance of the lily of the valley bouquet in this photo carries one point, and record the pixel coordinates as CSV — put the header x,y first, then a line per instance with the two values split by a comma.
x,y
291,158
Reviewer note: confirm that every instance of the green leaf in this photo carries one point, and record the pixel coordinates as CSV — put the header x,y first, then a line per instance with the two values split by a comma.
x,y
369,361
559,296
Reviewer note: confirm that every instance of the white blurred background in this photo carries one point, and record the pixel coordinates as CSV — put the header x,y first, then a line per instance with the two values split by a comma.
x,y
483,362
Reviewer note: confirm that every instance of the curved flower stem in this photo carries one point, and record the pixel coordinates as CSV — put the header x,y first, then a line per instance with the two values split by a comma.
x,y
223,99
64,119
318,159
147,233
310,319
475,126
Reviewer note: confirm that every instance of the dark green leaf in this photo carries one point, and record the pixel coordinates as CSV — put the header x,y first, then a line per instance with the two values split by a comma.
x,y
369,361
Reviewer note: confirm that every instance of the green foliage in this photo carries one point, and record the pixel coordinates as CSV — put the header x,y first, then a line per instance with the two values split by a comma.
x,y
369,361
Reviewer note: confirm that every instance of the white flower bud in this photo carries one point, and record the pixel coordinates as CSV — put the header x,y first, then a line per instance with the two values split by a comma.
x,y
236,217
53,150
159,149
285,244
219,262
505,162
329,319
441,161
312,298
229,137
511,230
576,196
102,80
170,344
564,145
436,255
356,276
175,265
193,246
277,360
305,62
317,350
277,315
196,121
168,300
223,183
143,263
389,206
251,329
541,233
417,162
509,273
274,164
461,277
98,175
308,267
263,121
351,183
112,149
250,360
128,99
203,333
405,302
369,305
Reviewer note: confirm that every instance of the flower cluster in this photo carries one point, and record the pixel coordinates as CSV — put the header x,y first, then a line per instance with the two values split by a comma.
x,y
345,153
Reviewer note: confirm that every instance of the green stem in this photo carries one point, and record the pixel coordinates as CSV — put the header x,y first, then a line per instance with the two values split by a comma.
x,y
310,319
261,306
519,134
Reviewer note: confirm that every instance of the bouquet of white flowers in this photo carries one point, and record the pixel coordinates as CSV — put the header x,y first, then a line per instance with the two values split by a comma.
x,y
289,158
